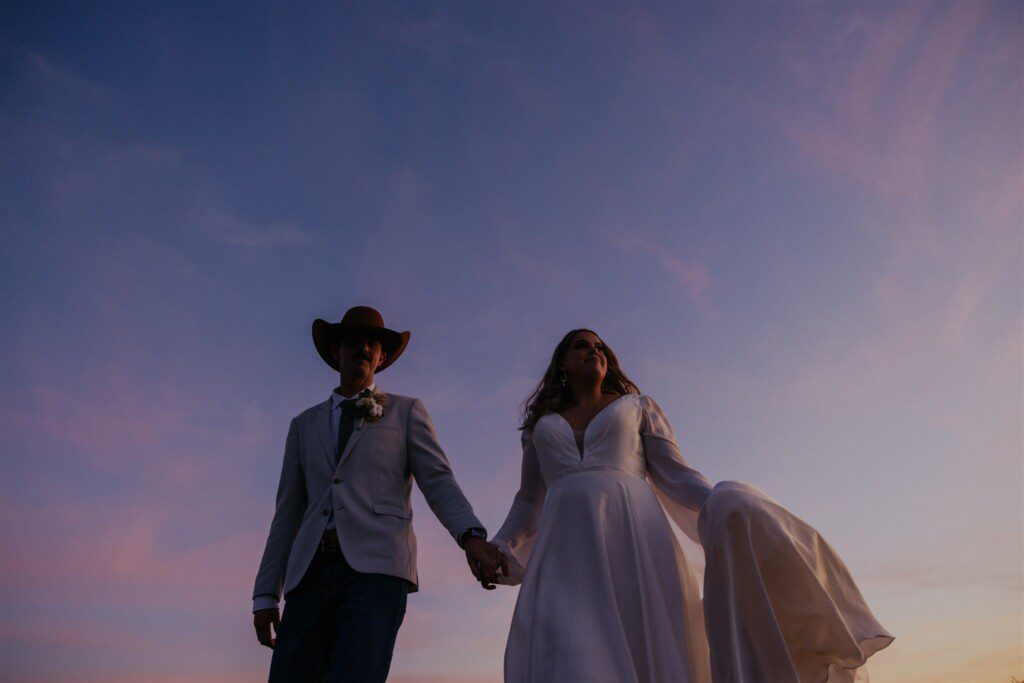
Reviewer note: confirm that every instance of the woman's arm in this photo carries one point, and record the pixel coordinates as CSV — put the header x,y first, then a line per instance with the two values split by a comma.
x,y
682,489
515,538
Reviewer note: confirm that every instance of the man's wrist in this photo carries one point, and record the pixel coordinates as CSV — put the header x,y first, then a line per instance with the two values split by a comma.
x,y
473,532
264,602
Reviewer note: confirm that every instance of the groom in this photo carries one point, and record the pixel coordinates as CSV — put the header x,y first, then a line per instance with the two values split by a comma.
x,y
341,548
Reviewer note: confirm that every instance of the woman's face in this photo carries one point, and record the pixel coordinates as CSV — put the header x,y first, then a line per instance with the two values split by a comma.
x,y
585,358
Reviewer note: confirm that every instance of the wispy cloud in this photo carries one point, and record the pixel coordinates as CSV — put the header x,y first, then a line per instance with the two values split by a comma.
x,y
35,632
223,226
503,180
437,36
878,122
119,555
63,81
689,273
692,275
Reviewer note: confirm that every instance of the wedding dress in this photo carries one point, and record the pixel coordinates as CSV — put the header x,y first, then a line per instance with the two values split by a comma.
x,y
607,594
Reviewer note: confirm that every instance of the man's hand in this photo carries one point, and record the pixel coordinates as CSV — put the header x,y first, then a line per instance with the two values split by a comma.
x,y
484,561
262,619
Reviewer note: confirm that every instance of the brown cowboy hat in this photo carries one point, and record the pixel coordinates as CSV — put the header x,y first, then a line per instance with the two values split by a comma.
x,y
359,320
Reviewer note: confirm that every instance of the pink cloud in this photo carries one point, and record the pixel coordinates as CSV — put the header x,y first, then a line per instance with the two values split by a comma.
x,y
38,632
120,554
119,413
537,267
691,275
884,142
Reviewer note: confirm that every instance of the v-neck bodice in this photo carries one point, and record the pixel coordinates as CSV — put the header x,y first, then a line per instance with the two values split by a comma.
x,y
578,434
610,440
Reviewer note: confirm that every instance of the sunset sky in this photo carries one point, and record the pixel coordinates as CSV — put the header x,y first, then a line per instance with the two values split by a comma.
x,y
798,225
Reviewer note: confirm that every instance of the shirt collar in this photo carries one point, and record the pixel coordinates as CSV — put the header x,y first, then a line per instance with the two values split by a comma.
x,y
337,398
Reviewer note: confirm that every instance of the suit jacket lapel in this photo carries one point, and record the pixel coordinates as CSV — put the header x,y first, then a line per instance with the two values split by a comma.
x,y
326,430
358,429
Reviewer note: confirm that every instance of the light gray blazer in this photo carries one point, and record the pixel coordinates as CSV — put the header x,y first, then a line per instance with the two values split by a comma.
x,y
369,491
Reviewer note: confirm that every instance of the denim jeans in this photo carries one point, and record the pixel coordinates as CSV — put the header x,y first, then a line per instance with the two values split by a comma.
x,y
339,625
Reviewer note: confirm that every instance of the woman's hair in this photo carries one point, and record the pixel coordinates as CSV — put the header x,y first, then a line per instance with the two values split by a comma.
x,y
551,396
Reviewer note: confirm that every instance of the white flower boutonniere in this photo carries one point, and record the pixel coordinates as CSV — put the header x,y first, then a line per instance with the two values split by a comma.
x,y
370,406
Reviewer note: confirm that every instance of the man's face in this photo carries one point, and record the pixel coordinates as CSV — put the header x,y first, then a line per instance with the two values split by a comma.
x,y
359,356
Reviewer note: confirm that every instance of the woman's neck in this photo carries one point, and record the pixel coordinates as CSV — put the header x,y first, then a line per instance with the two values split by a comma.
x,y
586,394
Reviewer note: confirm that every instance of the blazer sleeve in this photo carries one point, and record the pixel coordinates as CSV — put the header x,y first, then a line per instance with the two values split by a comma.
x,y
433,474
681,489
290,507
517,534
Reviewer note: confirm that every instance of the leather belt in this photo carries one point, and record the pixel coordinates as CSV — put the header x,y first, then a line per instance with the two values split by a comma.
x,y
329,543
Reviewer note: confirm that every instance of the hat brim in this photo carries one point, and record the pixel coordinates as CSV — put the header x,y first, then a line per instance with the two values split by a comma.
x,y
324,334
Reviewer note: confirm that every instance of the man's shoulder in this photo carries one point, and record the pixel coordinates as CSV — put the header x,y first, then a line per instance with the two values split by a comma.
x,y
309,412
399,401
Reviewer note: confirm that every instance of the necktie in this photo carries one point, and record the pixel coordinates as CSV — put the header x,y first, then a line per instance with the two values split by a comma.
x,y
344,432
347,423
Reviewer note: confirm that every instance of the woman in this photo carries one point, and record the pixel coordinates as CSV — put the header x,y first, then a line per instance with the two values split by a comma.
x,y
607,594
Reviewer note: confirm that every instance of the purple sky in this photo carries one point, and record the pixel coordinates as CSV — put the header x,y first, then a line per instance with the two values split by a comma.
x,y
798,225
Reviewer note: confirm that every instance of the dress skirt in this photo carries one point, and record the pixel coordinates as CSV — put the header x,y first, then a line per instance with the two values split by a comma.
x,y
780,605
607,594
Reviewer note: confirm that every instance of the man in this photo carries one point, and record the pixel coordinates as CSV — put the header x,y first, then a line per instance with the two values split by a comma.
x,y
341,548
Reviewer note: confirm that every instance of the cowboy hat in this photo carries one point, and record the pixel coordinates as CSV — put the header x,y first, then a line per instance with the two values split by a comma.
x,y
358,320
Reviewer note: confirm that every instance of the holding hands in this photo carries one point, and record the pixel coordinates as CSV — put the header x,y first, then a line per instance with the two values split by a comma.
x,y
485,561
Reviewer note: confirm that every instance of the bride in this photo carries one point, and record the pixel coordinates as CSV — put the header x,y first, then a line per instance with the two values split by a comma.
x,y
606,592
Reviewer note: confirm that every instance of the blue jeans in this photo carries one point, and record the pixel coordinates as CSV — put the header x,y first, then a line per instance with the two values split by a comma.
x,y
339,625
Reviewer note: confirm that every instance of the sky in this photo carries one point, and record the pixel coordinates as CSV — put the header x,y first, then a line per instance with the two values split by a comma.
x,y
798,225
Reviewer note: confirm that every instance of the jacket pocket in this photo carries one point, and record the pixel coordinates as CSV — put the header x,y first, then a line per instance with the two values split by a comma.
x,y
384,509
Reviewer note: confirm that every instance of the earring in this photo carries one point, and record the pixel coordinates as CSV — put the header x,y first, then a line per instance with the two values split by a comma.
x,y
564,379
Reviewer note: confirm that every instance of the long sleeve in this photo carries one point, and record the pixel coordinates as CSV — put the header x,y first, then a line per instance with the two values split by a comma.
x,y
681,489
516,536
290,507
433,474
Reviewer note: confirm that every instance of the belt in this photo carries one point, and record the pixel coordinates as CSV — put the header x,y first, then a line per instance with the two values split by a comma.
x,y
591,469
329,543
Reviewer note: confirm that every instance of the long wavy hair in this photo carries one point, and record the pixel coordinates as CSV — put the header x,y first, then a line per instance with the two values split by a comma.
x,y
551,396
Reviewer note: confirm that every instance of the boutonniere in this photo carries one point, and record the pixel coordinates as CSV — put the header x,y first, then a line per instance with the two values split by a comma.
x,y
370,405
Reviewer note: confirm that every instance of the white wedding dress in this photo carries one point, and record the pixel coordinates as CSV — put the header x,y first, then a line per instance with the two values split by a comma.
x,y
607,594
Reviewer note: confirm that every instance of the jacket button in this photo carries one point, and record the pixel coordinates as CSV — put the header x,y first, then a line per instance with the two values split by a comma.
x,y
337,481
326,512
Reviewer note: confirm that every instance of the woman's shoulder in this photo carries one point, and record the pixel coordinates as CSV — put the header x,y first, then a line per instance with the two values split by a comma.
x,y
645,400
